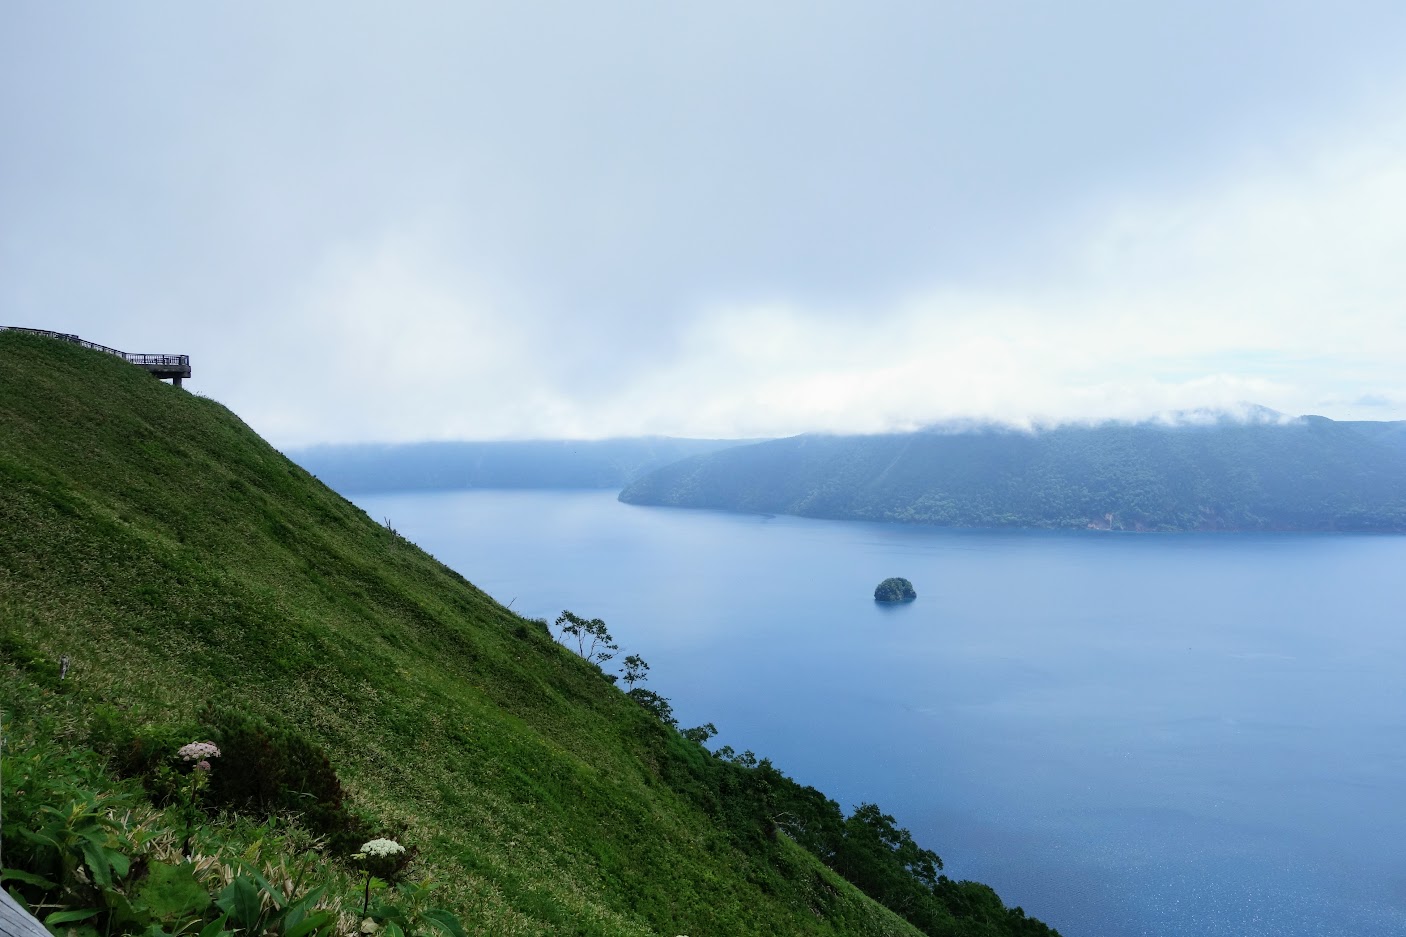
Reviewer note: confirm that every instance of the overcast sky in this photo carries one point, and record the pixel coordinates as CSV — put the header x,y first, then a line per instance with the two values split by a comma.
x,y
527,220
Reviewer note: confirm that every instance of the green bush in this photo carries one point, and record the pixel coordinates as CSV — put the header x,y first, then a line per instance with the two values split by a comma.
x,y
266,768
269,767
145,753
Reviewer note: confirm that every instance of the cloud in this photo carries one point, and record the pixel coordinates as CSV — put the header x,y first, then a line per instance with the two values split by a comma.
x,y
1277,285
480,221
386,340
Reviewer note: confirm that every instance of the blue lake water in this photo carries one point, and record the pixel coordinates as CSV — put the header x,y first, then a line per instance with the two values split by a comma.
x,y
1174,734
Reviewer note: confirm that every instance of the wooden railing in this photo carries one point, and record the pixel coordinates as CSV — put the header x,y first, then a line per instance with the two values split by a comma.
x,y
146,361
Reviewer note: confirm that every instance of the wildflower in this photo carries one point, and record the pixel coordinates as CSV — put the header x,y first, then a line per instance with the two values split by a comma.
x,y
381,847
199,751
375,849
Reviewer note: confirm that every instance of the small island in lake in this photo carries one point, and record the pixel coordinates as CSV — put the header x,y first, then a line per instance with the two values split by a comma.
x,y
894,589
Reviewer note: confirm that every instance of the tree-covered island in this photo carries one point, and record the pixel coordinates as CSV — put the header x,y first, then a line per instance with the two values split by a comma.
x,y
894,589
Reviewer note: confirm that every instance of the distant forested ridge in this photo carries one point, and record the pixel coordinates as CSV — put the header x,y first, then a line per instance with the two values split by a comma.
x,y
602,463
1269,473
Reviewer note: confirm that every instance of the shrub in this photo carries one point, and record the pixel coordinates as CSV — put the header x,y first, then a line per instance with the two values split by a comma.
x,y
146,752
268,766
657,705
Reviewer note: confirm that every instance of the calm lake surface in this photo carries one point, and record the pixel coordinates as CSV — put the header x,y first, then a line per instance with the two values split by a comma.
x,y
1156,734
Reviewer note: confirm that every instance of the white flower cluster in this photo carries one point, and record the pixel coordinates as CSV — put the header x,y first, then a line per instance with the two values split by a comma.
x,y
198,751
382,847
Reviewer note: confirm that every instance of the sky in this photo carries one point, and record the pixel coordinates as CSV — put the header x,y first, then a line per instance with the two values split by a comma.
x,y
376,222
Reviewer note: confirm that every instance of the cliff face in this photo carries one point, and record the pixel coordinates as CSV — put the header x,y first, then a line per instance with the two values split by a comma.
x,y
1306,474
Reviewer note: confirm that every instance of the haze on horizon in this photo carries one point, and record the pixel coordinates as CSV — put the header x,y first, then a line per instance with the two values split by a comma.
x,y
476,221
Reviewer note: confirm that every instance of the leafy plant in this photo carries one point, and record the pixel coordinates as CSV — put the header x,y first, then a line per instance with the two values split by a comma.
x,y
79,834
254,906
412,914
171,893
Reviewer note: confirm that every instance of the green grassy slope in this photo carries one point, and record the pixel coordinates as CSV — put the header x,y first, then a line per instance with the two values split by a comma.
x,y
176,558
1311,474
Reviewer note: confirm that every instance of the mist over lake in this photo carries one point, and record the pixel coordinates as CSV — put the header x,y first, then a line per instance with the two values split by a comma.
x,y
1169,734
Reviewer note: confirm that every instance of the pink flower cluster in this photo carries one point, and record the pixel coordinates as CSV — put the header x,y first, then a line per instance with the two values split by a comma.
x,y
199,751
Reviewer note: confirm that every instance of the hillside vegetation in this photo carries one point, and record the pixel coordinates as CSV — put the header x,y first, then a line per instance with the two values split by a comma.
x,y
1307,474
167,577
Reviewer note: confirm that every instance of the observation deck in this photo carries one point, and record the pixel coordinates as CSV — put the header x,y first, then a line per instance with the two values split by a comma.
x,y
173,367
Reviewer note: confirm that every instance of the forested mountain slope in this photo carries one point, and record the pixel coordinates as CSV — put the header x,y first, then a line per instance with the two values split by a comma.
x,y
166,576
1306,474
